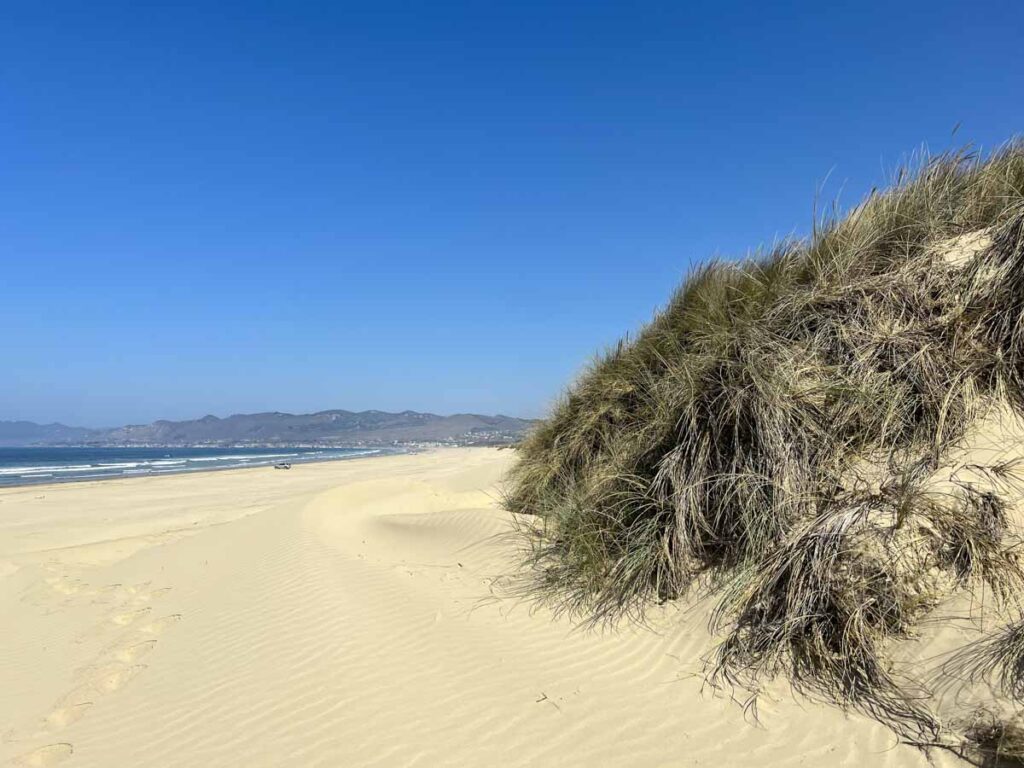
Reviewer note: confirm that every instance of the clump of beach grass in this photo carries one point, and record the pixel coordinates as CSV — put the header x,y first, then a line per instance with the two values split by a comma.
x,y
770,438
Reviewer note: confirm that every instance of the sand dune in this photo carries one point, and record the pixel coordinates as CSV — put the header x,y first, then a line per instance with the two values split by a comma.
x,y
341,614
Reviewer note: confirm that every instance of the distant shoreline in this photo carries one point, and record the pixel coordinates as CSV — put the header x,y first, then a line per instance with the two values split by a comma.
x,y
45,465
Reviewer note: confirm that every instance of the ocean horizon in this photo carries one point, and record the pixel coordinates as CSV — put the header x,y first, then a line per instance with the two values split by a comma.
x,y
39,465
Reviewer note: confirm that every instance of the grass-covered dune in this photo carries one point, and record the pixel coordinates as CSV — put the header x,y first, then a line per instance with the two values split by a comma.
x,y
772,439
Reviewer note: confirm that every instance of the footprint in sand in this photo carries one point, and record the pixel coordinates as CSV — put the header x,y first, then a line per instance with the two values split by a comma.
x,y
158,626
129,594
98,680
51,754
107,594
153,594
135,593
65,716
63,585
135,652
129,617
114,677
60,589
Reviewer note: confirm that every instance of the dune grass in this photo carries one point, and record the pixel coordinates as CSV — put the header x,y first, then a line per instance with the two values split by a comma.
x,y
768,438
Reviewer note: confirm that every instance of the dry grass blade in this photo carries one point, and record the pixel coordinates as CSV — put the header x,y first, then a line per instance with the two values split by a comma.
x,y
998,658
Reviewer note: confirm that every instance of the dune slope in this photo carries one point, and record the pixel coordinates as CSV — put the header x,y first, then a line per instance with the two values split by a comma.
x,y
782,437
341,614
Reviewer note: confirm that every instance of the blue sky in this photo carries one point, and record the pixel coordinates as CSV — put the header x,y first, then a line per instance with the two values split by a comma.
x,y
219,207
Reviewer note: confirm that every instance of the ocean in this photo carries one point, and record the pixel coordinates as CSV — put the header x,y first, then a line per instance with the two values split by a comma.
x,y
26,466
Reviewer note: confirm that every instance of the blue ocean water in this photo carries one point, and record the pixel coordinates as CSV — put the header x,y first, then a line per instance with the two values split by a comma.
x,y
24,466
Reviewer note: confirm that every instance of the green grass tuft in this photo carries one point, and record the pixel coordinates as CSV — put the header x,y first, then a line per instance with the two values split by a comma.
x,y
768,437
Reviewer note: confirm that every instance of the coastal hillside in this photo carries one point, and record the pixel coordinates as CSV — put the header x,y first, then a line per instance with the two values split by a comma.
x,y
823,440
335,427
30,433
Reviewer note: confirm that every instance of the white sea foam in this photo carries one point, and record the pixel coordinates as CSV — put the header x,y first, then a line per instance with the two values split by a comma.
x,y
46,468
60,468
246,457
97,468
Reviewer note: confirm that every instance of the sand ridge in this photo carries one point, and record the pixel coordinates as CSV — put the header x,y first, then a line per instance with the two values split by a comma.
x,y
342,614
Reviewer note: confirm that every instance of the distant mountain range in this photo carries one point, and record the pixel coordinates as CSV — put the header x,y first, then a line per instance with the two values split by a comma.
x,y
342,428
30,433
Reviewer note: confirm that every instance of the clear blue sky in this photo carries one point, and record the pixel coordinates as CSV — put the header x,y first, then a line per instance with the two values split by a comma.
x,y
220,207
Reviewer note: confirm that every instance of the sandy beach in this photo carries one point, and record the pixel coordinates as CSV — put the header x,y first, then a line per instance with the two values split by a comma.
x,y
341,614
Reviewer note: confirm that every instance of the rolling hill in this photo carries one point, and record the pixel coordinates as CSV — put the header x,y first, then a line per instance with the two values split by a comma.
x,y
334,427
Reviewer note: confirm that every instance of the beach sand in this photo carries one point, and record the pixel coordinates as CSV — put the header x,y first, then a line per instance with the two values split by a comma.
x,y
341,614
